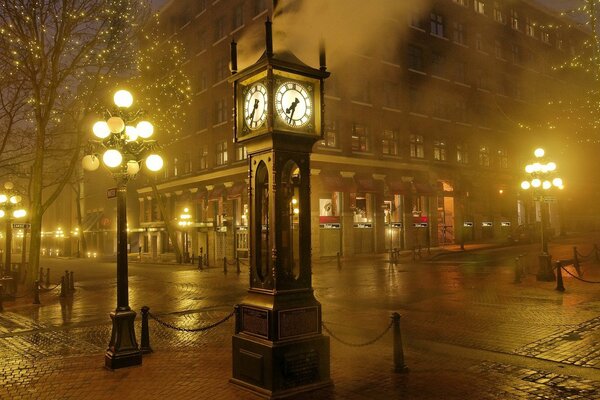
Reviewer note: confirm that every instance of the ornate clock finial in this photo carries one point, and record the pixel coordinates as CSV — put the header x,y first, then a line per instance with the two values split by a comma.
x,y
234,65
322,57
269,38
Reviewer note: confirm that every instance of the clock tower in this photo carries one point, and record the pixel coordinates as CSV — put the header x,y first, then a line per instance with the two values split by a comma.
x,y
278,346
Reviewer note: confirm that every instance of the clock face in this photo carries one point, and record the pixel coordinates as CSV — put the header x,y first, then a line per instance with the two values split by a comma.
x,y
293,103
255,106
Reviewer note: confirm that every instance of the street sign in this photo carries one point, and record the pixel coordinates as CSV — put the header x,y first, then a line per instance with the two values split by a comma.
x,y
21,226
111,193
549,199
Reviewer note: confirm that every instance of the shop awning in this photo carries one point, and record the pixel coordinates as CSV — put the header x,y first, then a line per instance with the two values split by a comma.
x,y
336,183
90,220
425,189
365,184
216,193
398,186
237,190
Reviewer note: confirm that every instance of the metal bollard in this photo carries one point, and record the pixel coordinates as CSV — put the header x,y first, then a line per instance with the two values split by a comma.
x,y
517,270
399,365
145,339
63,292
200,262
36,292
206,259
224,265
47,277
192,259
559,279
71,282
576,261
41,277
339,261
237,265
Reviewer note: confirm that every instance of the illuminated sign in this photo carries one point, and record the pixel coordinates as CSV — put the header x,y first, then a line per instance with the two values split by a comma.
x,y
329,226
487,223
505,223
421,225
468,224
397,225
363,225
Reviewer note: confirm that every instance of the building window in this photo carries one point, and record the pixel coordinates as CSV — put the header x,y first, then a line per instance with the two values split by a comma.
x,y
461,110
389,142
462,154
238,17
201,41
529,27
502,159
458,33
362,206
364,93
415,101
514,20
479,42
417,148
415,57
203,164
200,6
220,111
516,54
438,62
437,24
187,164
175,166
391,93
222,153
416,21
440,108
484,156
460,2
221,69
202,80
479,6
241,153
360,138
461,72
545,37
219,29
482,80
439,150
498,49
330,136
499,13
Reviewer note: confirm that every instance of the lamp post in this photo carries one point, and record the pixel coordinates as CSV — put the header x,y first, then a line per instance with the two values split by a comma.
x,y
59,235
76,234
184,223
123,147
541,179
9,208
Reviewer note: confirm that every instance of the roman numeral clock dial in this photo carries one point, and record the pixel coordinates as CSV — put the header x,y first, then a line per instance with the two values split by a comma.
x,y
293,104
255,106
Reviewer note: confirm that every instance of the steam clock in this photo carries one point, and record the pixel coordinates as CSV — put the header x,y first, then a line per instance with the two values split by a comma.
x,y
278,346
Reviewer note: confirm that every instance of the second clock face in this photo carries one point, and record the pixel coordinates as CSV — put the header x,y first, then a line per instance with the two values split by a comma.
x,y
293,104
255,106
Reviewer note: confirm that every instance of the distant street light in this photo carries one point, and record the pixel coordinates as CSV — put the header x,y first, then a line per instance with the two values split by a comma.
x,y
541,180
184,223
123,147
9,209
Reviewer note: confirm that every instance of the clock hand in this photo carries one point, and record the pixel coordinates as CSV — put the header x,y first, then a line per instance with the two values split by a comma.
x,y
256,101
290,110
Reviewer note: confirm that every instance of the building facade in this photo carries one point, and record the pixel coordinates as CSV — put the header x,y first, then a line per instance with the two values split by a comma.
x,y
424,149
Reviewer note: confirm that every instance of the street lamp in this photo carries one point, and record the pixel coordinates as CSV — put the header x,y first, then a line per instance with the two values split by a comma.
x,y
122,148
59,235
10,209
76,234
184,223
541,179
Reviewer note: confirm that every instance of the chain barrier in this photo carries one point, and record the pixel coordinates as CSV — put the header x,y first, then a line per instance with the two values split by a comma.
x,y
576,277
45,289
342,341
582,257
200,329
229,263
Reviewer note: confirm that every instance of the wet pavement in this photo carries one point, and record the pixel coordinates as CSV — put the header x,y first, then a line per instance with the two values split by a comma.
x,y
469,331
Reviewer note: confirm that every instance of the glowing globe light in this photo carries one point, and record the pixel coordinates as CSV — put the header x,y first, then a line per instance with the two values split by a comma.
x,y
131,132
123,99
551,166
1,213
154,162
557,182
112,158
529,168
145,129
537,167
101,129
539,152
8,185
15,199
19,213
3,198
115,124
546,185
536,183
133,167
90,162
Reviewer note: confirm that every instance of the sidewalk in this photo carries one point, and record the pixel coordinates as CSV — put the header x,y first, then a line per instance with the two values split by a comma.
x,y
469,332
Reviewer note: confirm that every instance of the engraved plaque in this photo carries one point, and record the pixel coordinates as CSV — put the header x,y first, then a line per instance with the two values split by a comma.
x,y
298,322
255,321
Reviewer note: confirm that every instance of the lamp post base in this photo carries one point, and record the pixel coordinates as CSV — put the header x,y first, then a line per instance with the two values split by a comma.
x,y
123,350
545,272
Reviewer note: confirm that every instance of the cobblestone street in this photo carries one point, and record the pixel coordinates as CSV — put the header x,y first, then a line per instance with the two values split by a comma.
x,y
469,331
